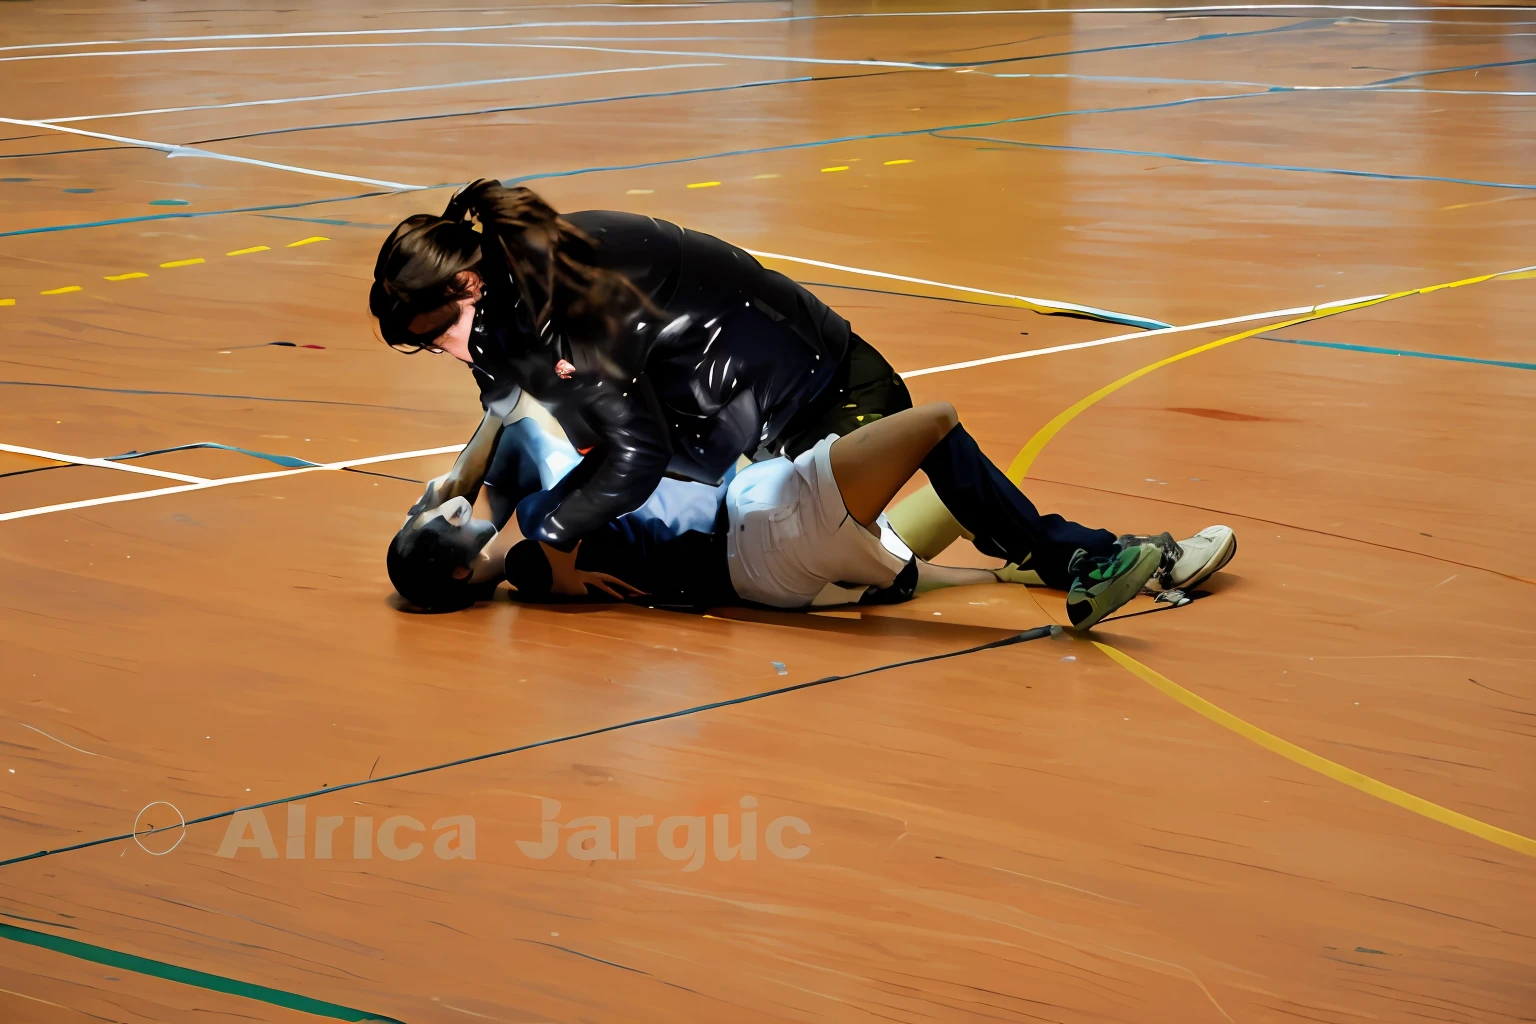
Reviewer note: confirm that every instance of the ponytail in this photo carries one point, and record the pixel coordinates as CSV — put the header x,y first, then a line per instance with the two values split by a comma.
x,y
521,238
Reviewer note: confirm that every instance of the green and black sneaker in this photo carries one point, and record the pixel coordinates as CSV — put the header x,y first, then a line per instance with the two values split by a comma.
x,y
1104,584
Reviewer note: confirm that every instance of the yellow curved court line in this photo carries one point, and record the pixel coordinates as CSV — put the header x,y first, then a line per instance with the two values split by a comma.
x,y
1019,467
1319,764
1332,769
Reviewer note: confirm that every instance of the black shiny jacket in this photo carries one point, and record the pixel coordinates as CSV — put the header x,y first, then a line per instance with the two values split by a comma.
x,y
740,351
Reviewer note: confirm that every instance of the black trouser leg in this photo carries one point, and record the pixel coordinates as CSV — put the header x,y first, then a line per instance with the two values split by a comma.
x,y
1005,523
864,389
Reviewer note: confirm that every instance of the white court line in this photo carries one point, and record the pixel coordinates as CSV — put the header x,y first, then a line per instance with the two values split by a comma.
x,y
100,463
746,21
1278,314
1271,86
204,485
55,739
174,150
372,92
1048,303
487,46
1275,314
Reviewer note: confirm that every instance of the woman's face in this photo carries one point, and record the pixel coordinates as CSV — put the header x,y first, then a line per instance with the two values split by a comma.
x,y
459,316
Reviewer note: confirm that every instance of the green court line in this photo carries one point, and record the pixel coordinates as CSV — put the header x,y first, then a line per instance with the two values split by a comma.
x,y
187,976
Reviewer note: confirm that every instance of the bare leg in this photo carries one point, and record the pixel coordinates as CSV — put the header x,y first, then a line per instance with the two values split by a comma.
x,y
871,464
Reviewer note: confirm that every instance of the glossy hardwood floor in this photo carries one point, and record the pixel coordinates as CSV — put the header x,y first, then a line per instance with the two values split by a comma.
x,y
1324,815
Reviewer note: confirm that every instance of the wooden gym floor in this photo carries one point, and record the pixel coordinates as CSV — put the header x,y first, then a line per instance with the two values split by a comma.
x,y
1307,797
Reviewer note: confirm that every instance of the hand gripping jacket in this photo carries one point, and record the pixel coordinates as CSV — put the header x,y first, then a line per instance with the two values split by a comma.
x,y
740,352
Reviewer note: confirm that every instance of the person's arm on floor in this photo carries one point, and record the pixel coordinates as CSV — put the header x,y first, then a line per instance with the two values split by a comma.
x,y
570,581
469,469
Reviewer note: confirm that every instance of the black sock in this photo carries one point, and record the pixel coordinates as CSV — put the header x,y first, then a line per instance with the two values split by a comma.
x,y
1004,522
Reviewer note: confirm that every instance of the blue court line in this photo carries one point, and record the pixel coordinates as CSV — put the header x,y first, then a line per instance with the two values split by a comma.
x,y
286,461
1185,158
788,147
747,85
529,106
871,136
200,213
329,222
1447,71
1402,352
544,175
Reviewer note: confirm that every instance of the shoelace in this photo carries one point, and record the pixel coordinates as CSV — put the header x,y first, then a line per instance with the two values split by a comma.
x,y
1171,550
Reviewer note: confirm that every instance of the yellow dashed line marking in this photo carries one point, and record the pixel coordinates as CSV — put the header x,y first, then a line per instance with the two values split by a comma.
x,y
640,192
839,167
763,177
132,275
1485,202
893,163
704,184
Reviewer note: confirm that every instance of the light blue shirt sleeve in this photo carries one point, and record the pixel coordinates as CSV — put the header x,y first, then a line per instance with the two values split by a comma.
x,y
674,508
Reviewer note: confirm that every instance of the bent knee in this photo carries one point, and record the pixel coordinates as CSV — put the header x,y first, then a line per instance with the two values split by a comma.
x,y
944,417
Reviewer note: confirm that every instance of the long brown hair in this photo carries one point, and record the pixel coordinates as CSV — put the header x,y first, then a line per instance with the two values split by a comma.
x,y
521,237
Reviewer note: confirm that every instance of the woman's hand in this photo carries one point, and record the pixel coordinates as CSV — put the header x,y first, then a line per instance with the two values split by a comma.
x,y
566,579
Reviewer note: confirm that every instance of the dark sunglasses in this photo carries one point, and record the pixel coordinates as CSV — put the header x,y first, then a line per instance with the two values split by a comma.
x,y
399,336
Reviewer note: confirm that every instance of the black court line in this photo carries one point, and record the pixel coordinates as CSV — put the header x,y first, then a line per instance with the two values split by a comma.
x,y
208,394
61,152
483,111
1029,634
912,295
1292,526
387,476
330,222
1161,606
193,214
73,465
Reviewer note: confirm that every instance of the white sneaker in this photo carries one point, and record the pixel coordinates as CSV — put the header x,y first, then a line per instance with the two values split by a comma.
x,y
1200,557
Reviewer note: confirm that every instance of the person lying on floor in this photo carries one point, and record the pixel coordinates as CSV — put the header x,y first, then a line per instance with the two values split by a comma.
x,y
783,533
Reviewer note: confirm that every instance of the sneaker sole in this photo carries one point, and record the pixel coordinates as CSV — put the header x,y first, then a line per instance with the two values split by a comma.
x,y
1219,561
1121,590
